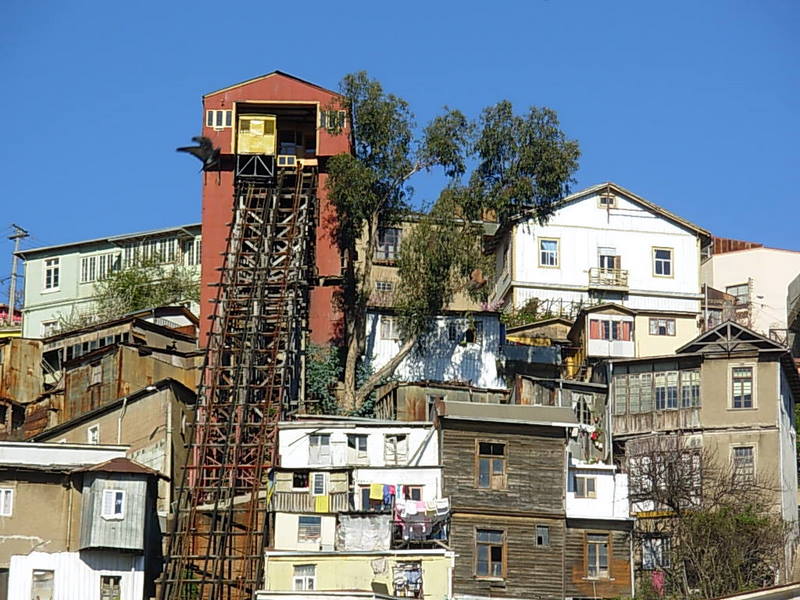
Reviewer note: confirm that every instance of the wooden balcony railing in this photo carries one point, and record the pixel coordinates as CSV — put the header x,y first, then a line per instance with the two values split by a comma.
x,y
303,502
602,277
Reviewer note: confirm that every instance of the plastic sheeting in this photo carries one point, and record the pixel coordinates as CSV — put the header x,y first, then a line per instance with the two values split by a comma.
x,y
364,532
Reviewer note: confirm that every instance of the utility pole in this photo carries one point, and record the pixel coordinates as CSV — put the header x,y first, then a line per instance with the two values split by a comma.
x,y
19,233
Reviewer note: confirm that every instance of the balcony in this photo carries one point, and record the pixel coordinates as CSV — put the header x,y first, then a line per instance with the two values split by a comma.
x,y
303,502
608,279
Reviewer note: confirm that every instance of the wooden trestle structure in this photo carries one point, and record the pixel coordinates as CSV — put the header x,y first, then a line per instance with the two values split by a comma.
x,y
250,380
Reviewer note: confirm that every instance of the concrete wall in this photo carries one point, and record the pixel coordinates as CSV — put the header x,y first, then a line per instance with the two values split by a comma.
x,y
611,493
443,358
770,269
363,571
430,478
581,227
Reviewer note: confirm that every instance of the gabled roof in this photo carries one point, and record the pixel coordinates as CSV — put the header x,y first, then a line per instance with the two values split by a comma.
x,y
272,74
730,337
610,186
121,465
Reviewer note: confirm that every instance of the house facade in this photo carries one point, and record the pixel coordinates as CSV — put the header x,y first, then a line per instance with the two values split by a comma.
x,y
77,522
60,280
759,293
591,252
357,506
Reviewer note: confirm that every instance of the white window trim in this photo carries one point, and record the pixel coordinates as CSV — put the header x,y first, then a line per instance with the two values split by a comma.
x,y
729,401
586,478
312,483
93,428
304,579
214,111
753,446
3,493
49,290
112,516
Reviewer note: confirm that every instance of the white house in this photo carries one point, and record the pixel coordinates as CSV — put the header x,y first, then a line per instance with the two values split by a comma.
x,y
462,347
604,245
60,280
596,490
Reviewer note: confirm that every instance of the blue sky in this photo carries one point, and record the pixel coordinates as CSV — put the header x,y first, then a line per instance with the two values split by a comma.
x,y
693,105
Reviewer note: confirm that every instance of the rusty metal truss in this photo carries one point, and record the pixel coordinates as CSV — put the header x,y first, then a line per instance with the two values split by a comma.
x,y
250,381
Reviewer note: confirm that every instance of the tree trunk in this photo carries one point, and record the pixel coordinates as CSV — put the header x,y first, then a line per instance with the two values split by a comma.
x,y
375,379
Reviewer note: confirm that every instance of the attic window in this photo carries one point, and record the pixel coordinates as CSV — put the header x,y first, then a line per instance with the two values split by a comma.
x,y
219,119
607,200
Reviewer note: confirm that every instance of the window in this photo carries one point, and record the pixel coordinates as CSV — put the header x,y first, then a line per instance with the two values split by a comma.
x,y
97,267
413,492
542,535
388,246
300,480
548,252
742,383
633,394
743,464
304,577
490,551
453,332
390,328
320,487
585,486
620,394
332,120
319,449
395,449
741,292
690,389
608,258
42,584
96,374
597,555
662,262
93,434
384,286
52,270
474,333
357,442
219,119
666,385
191,252
655,553
6,502
110,587
113,504
603,329
606,200
49,328
491,465
309,529
662,326
646,392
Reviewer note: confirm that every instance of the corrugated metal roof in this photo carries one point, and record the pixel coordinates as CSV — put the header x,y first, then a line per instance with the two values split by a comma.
x,y
121,465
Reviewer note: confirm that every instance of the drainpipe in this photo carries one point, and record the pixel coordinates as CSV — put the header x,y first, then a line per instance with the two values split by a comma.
x,y
119,419
168,457
69,515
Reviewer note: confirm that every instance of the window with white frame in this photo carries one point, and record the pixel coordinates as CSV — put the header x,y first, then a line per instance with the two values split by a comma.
x,y
690,388
655,553
319,485
662,326
743,458
97,267
332,120
305,577
608,258
585,486
319,449
96,374
597,555
542,535
93,434
662,262
356,447
390,328
742,387
548,252
384,286
191,252
113,504
52,273
219,119
6,502
49,328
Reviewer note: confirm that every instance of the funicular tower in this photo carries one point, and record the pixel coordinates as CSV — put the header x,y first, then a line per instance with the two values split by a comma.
x,y
253,370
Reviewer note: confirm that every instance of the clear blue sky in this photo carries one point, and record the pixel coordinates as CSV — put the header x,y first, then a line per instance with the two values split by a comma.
x,y
691,104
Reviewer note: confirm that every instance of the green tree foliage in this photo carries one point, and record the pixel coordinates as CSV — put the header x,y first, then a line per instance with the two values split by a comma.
x,y
502,163
147,283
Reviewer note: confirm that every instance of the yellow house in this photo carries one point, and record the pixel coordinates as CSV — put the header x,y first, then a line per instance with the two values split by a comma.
x,y
424,574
